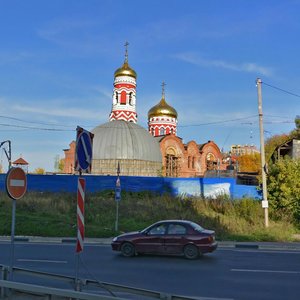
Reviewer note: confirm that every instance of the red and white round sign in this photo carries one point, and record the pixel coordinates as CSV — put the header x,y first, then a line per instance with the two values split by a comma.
x,y
16,183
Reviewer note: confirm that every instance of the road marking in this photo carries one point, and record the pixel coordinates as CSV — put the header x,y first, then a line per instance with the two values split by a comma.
x,y
265,271
43,260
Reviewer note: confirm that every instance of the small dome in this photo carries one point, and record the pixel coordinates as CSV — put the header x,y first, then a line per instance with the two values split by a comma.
x,y
125,70
162,109
124,140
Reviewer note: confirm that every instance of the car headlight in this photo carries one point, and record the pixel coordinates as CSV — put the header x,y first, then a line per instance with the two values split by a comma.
x,y
115,239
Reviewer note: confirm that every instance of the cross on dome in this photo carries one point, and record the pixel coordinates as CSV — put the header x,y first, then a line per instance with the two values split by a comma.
x,y
126,51
163,89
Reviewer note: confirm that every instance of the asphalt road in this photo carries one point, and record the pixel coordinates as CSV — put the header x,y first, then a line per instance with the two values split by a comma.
x,y
228,273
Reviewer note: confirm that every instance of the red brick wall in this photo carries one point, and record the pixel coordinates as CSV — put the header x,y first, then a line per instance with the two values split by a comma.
x,y
70,159
191,156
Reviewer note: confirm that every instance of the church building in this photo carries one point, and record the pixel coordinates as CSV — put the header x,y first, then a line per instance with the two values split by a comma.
x,y
157,151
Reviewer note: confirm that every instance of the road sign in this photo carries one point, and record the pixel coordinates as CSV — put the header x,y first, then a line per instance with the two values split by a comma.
x,y
118,189
84,150
16,183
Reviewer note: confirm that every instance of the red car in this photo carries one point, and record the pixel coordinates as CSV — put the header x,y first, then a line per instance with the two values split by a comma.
x,y
174,237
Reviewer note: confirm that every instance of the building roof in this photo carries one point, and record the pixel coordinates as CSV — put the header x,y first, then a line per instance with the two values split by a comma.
x,y
124,140
162,109
20,161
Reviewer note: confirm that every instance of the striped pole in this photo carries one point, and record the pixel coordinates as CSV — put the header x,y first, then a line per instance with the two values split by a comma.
x,y
80,214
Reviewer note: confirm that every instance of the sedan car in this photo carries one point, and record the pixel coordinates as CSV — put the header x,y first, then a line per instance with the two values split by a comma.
x,y
168,237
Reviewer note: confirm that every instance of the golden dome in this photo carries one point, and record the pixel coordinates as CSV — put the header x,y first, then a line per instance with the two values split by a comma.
x,y
125,70
162,109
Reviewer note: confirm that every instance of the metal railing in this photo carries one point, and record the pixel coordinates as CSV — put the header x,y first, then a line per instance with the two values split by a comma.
x,y
77,293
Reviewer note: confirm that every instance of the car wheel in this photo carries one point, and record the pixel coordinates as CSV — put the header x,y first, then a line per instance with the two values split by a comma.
x,y
190,252
128,249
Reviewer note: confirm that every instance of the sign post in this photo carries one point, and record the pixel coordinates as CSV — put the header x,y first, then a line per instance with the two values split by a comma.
x,y
83,164
16,186
117,197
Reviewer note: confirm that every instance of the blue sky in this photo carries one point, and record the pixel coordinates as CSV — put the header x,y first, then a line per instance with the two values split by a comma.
x,y
58,57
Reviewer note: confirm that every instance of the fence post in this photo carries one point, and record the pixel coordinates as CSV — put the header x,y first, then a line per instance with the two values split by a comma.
x,y
4,276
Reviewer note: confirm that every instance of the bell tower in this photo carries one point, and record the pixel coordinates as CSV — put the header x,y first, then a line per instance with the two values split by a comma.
x,y
124,93
162,118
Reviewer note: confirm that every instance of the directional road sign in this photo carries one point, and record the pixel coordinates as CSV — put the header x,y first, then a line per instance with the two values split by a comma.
x,y
16,183
84,150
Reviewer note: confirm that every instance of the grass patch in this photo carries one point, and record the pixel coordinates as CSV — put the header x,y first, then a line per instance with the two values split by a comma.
x,y
54,214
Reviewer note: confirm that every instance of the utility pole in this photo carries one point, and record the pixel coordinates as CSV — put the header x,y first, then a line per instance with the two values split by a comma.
x,y
264,202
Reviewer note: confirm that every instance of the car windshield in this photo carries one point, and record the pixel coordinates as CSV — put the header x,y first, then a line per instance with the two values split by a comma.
x,y
197,227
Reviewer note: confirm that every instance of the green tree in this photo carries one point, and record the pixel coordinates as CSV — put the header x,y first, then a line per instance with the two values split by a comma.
x,y
297,122
284,188
273,142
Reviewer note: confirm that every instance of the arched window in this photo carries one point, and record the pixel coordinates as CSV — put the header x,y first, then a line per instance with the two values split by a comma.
x,y
123,97
162,131
130,98
171,163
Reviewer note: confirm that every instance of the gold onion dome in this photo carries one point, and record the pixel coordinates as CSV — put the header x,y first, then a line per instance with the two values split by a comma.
x,y
125,70
162,109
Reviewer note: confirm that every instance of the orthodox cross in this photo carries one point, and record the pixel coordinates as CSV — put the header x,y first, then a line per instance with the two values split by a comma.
x,y
163,89
126,51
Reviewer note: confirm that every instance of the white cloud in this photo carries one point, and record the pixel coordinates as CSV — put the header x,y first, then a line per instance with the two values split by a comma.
x,y
247,67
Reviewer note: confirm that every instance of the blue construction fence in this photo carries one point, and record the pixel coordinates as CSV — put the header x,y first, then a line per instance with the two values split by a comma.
x,y
207,187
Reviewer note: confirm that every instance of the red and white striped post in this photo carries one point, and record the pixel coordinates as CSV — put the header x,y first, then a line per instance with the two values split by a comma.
x,y
83,163
80,214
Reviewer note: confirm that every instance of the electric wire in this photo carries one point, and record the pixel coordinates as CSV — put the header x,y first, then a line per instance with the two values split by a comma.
x,y
219,122
32,122
35,128
280,89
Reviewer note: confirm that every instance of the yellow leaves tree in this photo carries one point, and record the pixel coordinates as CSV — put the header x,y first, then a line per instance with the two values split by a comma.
x,y
61,165
249,162
39,171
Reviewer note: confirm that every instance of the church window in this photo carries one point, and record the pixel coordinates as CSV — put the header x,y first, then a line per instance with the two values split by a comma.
x,y
172,165
130,98
193,162
189,161
152,131
123,98
162,131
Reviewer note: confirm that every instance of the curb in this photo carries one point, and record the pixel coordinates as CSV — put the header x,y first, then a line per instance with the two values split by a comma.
x,y
107,241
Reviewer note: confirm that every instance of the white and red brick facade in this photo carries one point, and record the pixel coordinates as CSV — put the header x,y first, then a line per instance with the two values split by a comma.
x,y
162,125
124,99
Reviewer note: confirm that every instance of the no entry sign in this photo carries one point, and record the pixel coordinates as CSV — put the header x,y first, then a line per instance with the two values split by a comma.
x,y
16,183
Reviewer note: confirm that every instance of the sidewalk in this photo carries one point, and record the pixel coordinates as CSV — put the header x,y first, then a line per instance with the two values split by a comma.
x,y
107,241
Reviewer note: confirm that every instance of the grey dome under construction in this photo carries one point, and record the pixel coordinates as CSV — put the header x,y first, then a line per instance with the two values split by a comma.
x,y
129,144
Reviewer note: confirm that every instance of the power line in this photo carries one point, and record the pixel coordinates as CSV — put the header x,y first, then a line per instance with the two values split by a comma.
x,y
35,128
32,122
282,90
219,122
